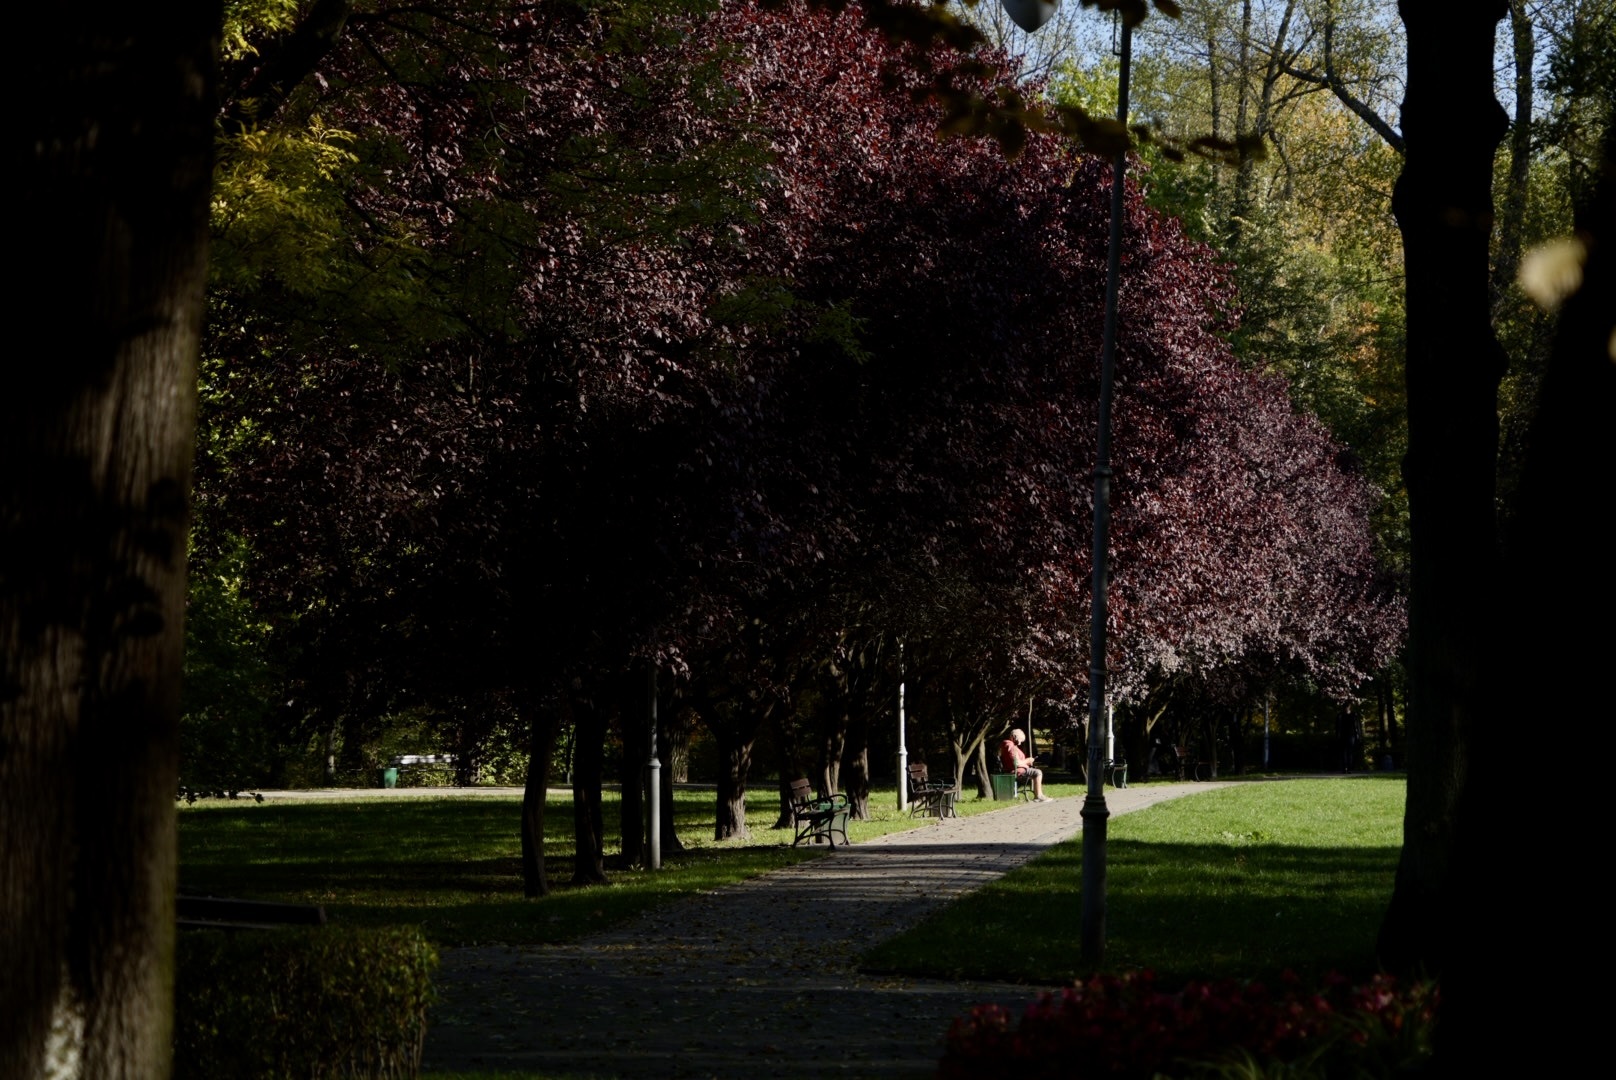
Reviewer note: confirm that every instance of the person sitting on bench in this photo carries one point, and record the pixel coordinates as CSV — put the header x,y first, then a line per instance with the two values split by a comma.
x,y
1021,765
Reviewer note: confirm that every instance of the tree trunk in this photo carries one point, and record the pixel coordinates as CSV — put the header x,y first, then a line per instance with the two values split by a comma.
x,y
589,746
1135,739
1443,204
857,768
1346,727
1383,708
831,748
542,728
328,745
673,743
786,818
734,762
1237,741
110,167
671,844
787,739
1246,172
634,723
1512,218
1209,736
1564,638
978,750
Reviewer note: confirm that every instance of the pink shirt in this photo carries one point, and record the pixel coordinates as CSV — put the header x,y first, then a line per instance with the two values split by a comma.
x,y
1012,757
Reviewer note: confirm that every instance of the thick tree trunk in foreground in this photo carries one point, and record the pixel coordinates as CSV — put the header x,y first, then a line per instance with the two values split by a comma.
x,y
542,727
1564,634
1452,125
110,166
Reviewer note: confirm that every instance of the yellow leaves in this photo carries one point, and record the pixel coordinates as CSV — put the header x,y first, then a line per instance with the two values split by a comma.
x,y
317,152
277,201
246,20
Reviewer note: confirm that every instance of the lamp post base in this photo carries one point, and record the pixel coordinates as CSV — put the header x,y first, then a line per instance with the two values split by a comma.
x,y
1095,817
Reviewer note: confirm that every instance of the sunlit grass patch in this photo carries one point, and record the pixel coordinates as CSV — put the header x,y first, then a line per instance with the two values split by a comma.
x,y
1245,881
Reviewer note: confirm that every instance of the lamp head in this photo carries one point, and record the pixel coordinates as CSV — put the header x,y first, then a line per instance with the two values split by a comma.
x,y
1030,14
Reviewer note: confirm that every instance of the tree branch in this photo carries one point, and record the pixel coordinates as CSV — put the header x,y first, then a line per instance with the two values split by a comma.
x,y
1361,110
1338,88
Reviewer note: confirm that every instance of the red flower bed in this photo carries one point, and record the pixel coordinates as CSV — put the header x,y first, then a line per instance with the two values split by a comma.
x,y
1125,1026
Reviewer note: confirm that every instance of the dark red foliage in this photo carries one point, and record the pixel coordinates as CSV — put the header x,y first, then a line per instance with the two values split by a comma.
x,y
962,440
772,349
1122,1027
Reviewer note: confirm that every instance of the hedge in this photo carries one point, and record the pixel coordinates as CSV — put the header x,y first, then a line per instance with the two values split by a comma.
x,y
308,1002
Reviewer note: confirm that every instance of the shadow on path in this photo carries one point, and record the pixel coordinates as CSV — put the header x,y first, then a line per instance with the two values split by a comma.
x,y
756,979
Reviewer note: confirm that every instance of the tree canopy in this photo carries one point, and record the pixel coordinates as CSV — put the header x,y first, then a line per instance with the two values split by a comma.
x,y
767,350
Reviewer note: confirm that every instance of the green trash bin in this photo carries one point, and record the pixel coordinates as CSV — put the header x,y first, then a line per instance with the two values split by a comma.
x,y
1004,786
390,777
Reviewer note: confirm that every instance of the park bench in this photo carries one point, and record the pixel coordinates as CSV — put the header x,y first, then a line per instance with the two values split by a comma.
x,y
930,797
224,913
817,819
1113,769
1190,768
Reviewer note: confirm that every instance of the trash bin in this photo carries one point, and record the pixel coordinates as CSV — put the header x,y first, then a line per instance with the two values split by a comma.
x,y
1004,786
390,777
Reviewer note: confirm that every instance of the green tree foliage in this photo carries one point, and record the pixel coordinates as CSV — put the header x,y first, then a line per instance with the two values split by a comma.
x,y
1307,230
226,743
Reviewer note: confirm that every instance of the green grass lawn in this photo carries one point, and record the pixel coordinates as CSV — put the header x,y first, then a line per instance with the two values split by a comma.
x,y
1246,881
453,865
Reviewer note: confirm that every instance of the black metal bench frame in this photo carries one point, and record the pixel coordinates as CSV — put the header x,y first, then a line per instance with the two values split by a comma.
x,y
930,798
817,819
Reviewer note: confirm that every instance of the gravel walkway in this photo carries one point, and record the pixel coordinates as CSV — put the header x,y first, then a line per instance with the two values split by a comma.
x,y
756,979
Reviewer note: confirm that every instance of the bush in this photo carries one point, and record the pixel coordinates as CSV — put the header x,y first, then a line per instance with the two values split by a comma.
x,y
1123,1027
315,1002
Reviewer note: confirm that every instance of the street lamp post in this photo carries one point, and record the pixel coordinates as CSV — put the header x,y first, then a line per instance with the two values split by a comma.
x,y
653,782
1029,15
903,751
1095,815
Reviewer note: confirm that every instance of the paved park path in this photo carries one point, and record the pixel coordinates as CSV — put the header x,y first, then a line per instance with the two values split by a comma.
x,y
756,979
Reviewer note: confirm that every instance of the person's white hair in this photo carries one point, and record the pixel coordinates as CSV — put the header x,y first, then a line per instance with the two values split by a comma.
x,y
1017,734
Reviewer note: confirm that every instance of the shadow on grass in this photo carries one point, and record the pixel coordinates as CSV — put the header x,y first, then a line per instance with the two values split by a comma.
x,y
1244,910
450,866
